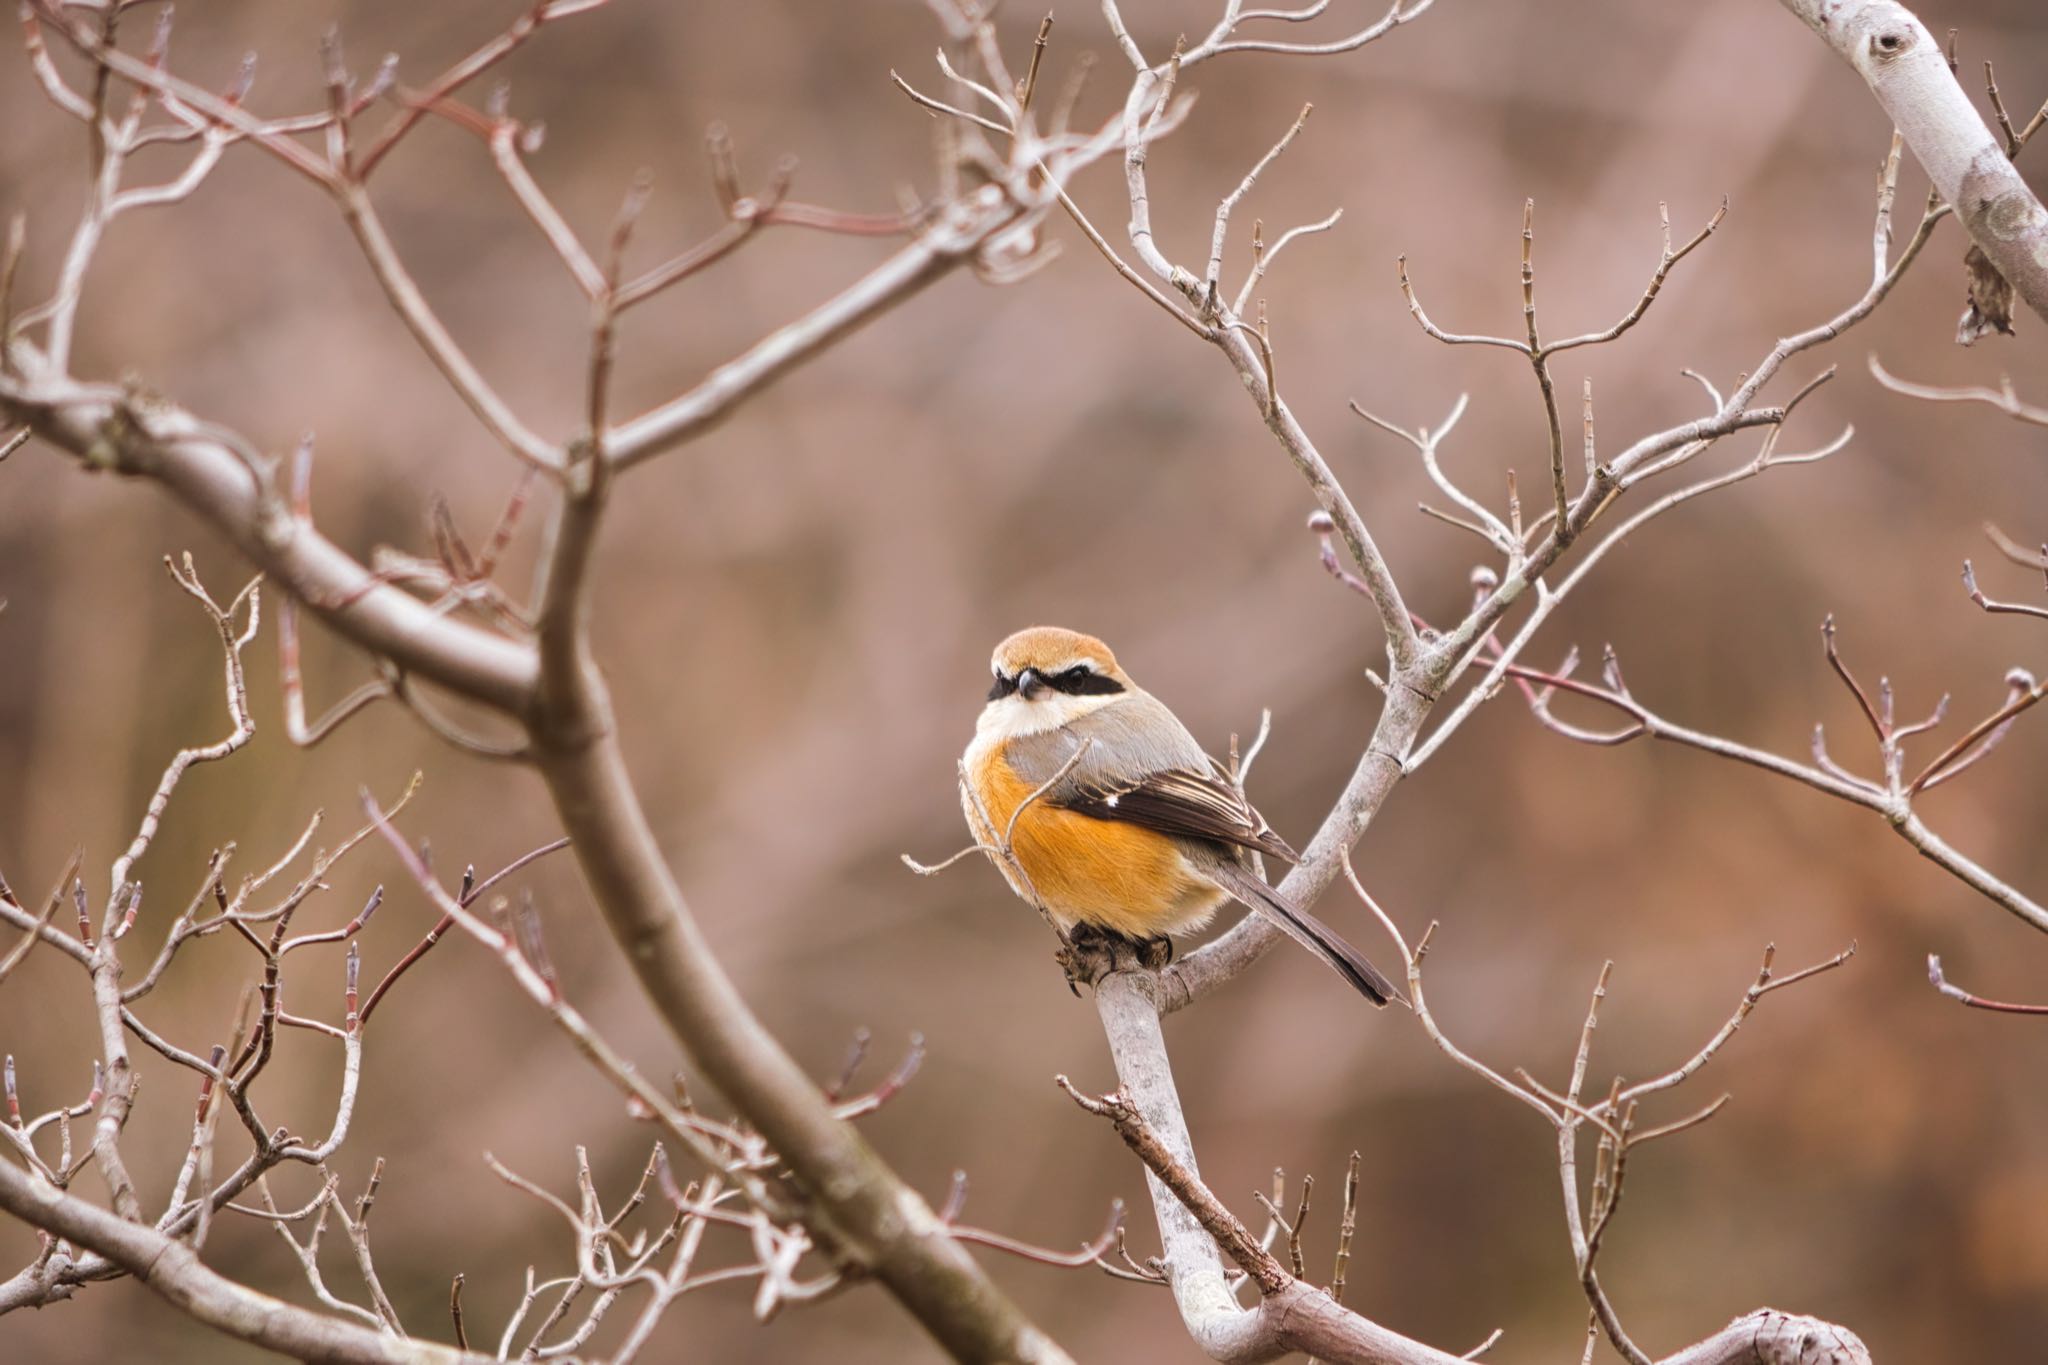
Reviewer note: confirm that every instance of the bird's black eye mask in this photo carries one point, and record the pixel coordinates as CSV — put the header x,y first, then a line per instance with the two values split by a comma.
x,y
1082,681
1078,681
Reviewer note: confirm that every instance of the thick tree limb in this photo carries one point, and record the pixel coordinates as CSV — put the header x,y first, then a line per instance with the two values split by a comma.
x,y
216,475
1769,1337
1905,69
553,688
878,1221
1294,1317
867,1214
864,1213
875,1219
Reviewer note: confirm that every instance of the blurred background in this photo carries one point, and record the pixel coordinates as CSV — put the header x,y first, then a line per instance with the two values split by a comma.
x,y
798,612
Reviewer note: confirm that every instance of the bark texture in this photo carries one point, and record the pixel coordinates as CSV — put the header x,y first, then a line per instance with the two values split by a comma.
x,y
1905,69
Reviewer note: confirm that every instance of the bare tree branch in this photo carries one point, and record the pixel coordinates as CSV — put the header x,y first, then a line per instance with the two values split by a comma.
x,y
790,1172
1900,61
1891,798
2004,398
174,1271
210,472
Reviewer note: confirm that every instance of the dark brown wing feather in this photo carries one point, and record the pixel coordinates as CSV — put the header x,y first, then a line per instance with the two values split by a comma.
x,y
1310,932
1185,804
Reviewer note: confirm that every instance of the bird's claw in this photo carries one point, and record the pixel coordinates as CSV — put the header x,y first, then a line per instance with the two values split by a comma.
x,y
1088,953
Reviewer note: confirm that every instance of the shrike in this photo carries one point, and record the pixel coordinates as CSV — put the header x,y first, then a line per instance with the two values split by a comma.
x,y
1142,835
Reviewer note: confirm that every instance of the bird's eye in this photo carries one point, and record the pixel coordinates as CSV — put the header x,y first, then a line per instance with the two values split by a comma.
x,y
1004,686
1077,674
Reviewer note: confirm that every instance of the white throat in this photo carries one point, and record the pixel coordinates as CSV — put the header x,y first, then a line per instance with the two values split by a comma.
x,y
1012,717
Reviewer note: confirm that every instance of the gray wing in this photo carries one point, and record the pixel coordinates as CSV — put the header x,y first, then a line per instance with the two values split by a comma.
x,y
1144,768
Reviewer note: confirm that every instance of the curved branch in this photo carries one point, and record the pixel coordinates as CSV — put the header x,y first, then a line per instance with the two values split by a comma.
x,y
1769,1337
1893,804
956,241
873,1219
174,1271
1379,768
1663,450
2005,398
210,472
403,293
1293,1316
881,1223
1904,67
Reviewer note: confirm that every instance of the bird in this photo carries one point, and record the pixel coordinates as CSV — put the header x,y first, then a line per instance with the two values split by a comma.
x,y
1101,808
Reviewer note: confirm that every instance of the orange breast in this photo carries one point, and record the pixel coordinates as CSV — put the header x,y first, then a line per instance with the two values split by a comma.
x,y
1083,870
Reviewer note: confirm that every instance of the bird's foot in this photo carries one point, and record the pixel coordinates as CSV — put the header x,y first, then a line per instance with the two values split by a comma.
x,y
1089,952
1154,953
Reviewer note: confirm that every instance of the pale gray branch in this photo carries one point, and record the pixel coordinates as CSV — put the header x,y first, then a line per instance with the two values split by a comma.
x,y
1905,69
964,231
210,472
174,1271
2005,398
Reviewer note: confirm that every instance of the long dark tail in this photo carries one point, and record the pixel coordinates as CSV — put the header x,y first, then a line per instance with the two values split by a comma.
x,y
1310,932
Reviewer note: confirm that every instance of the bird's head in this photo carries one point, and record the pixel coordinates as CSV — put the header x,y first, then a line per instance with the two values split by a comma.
x,y
1046,677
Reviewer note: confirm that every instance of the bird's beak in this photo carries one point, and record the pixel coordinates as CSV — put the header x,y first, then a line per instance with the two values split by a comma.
x,y
1029,684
